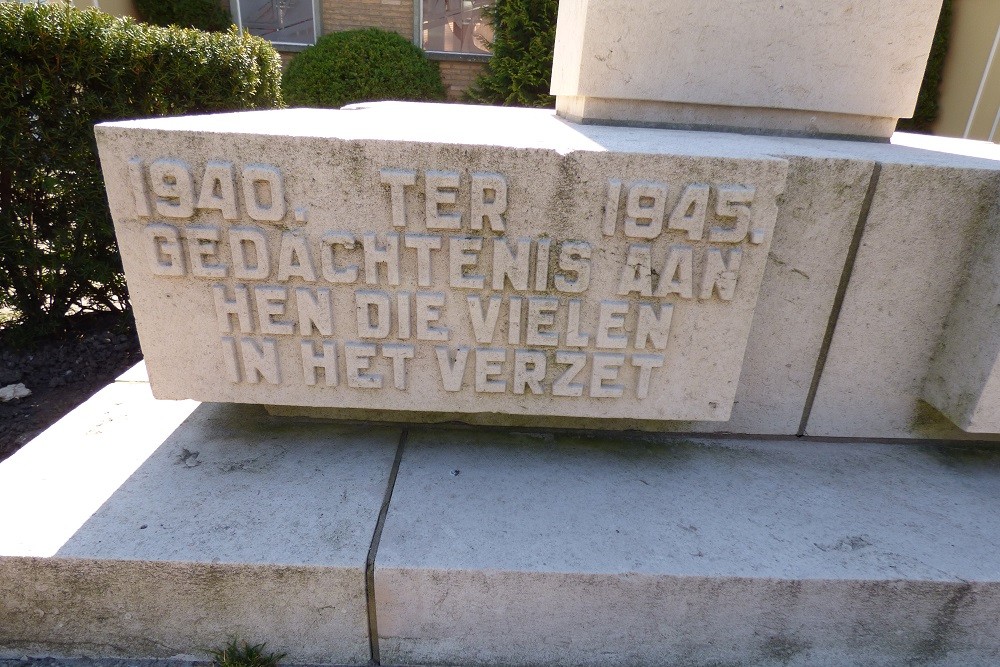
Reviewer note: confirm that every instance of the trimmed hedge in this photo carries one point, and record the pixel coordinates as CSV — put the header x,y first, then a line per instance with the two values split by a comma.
x,y
361,66
63,71
524,38
201,14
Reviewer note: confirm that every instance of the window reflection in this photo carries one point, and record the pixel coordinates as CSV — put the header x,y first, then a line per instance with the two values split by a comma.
x,y
279,21
456,26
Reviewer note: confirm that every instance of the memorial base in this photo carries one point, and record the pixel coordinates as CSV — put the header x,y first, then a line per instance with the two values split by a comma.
x,y
745,120
862,306
149,529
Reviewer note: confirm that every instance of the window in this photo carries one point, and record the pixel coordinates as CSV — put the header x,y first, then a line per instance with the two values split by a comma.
x,y
455,26
284,23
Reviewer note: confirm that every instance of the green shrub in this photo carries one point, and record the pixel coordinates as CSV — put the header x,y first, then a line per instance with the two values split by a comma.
x,y
63,71
201,14
360,66
248,655
927,100
524,37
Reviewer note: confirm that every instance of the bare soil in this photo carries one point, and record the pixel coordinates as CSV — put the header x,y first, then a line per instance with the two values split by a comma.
x,y
62,371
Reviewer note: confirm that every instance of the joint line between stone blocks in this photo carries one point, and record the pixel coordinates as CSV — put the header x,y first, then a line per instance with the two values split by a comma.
x,y
373,551
838,300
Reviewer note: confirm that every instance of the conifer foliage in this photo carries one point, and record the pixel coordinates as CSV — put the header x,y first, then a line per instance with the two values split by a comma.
x,y
201,14
524,36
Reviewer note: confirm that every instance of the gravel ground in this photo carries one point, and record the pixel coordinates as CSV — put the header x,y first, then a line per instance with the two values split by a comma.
x,y
61,372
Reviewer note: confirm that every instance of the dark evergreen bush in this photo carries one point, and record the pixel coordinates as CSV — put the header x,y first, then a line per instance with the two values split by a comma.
x,y
63,71
201,14
524,37
360,66
927,100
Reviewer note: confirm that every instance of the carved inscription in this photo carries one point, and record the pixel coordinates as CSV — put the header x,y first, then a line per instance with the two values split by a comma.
x,y
442,285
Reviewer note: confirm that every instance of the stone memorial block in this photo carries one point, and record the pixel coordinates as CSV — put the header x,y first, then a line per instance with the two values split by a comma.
x,y
964,377
836,67
478,261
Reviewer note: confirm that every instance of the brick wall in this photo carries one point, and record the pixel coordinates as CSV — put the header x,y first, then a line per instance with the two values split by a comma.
x,y
459,75
394,15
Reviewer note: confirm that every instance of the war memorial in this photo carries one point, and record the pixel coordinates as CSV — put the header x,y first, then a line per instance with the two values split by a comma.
x,y
700,368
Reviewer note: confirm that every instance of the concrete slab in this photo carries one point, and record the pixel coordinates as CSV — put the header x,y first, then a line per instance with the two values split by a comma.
x,y
526,549
137,373
96,448
152,528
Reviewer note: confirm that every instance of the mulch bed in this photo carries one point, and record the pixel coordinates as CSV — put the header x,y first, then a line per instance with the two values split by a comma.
x,y
62,371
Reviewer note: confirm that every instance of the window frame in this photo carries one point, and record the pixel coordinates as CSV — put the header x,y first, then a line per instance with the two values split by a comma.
x,y
418,39
285,46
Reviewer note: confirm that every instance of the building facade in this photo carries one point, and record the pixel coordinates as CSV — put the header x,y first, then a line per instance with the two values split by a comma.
x,y
969,105
452,32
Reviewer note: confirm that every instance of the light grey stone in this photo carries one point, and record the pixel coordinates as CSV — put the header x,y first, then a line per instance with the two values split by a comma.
x,y
148,528
964,374
96,438
921,235
872,383
816,220
815,224
136,373
608,198
566,550
13,392
812,235
832,67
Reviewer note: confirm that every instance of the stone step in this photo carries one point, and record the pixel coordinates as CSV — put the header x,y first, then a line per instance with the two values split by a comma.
x,y
143,529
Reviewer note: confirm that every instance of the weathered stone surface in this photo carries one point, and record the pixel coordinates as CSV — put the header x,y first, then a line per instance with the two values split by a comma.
x,y
965,371
928,218
76,464
133,534
839,67
964,377
560,550
812,234
820,209
606,275
872,384
499,548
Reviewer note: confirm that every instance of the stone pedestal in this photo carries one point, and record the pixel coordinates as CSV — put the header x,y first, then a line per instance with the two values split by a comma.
x,y
832,68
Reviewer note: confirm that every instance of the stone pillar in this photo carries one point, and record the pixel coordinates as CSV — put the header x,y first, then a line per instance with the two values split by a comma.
x,y
796,67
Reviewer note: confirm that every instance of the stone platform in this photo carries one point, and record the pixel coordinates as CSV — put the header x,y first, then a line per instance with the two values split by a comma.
x,y
147,529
